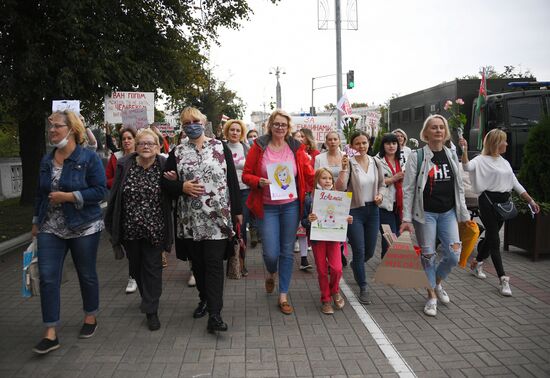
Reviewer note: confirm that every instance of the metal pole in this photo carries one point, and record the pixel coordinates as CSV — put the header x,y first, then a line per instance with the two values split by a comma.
x,y
312,105
338,60
279,105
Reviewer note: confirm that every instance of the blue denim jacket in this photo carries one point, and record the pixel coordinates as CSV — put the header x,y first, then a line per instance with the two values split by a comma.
x,y
84,176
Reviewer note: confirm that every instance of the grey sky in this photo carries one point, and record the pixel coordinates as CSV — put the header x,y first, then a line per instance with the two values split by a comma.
x,y
401,47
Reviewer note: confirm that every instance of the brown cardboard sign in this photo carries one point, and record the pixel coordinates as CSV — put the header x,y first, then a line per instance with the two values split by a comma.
x,y
401,266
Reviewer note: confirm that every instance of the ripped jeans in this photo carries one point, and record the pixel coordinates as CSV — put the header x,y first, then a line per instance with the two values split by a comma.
x,y
442,227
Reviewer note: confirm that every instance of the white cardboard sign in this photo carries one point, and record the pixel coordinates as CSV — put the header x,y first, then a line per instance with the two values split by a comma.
x,y
61,105
319,126
135,118
283,184
332,210
120,101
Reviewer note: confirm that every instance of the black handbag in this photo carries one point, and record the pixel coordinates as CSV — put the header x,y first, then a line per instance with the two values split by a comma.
x,y
505,210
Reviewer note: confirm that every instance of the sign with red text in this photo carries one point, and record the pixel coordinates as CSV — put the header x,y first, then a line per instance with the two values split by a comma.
x,y
121,101
372,122
135,118
283,184
401,266
165,129
332,210
319,126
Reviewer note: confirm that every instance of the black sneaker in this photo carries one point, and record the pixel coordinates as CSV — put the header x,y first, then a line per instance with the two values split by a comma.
x,y
46,346
304,264
216,323
87,330
201,310
153,322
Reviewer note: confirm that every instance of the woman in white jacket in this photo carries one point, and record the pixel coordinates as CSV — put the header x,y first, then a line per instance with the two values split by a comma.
x,y
492,177
433,199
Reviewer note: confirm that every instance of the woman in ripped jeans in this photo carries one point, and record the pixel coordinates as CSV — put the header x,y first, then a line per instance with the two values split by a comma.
x,y
433,200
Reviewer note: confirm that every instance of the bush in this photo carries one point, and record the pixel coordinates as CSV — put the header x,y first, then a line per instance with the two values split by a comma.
x,y
535,169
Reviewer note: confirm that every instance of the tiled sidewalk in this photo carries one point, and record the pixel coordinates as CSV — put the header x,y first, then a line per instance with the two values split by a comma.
x,y
478,334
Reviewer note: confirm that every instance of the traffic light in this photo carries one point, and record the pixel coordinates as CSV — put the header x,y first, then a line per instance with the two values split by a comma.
x,y
351,80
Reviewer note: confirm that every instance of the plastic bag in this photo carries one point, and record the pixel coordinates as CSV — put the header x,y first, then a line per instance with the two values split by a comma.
x,y
31,275
469,233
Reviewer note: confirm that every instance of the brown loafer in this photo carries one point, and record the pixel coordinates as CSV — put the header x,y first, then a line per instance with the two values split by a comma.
x,y
339,302
269,285
286,308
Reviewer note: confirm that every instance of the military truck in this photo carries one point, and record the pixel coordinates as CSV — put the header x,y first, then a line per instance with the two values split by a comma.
x,y
513,106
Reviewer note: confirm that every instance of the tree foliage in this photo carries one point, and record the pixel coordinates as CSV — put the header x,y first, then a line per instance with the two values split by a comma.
x,y
65,49
510,72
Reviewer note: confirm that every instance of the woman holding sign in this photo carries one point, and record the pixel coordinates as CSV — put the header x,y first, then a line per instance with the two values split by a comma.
x,y
276,208
362,176
433,199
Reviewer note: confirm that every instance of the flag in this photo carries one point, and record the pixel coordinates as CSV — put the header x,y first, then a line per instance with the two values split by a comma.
x,y
344,105
225,118
480,110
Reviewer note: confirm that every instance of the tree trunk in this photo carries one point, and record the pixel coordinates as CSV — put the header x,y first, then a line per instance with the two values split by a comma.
x,y
32,148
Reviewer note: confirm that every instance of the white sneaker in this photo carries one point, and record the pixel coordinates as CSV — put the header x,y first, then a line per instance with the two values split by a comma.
x,y
430,309
478,271
505,286
191,281
132,286
442,295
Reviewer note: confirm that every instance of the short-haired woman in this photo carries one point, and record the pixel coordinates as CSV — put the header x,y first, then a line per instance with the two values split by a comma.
x,y
405,151
201,174
139,216
67,216
362,176
493,177
278,218
433,198
234,131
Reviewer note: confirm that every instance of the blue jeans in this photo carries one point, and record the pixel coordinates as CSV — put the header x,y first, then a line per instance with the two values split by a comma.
x,y
393,220
362,236
444,227
51,255
279,228
246,212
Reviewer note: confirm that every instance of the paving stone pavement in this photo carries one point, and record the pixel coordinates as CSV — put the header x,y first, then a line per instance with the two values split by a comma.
x,y
479,334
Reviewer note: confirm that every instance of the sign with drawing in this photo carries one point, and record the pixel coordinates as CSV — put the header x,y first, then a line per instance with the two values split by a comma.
x,y
283,184
332,210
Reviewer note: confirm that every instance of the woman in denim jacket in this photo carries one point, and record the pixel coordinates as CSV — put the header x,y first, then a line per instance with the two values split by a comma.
x,y
67,216
433,198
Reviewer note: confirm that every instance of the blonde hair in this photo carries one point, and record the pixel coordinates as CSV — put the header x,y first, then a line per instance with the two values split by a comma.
x,y
426,124
319,172
402,133
309,139
492,141
74,123
147,132
282,113
190,113
231,122
279,169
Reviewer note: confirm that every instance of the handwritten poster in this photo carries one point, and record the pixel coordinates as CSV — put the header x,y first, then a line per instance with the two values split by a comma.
x,y
332,210
135,118
283,184
120,101
319,126
61,105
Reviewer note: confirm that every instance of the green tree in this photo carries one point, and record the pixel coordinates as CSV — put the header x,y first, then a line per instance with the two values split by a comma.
x,y
510,72
64,49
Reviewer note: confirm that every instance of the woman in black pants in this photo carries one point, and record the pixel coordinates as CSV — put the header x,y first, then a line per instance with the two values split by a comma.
x,y
492,176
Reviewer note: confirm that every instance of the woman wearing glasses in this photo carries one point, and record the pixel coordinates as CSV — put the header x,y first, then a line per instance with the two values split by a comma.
x,y
67,216
139,217
278,219
201,174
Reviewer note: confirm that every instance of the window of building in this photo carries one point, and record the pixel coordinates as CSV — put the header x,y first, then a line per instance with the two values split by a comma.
x,y
419,113
406,115
395,117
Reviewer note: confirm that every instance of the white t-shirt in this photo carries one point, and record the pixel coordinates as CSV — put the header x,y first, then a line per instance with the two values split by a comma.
x,y
367,179
321,161
493,174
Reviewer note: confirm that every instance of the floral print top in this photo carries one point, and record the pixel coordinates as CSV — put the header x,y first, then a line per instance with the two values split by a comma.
x,y
54,222
142,204
207,217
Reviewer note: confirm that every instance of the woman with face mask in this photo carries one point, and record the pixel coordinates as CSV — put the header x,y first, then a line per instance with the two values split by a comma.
x,y
200,172
66,217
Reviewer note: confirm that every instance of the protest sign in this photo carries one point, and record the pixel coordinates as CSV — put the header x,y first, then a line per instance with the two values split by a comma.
x,y
283,185
61,105
401,266
319,126
135,118
332,210
165,129
120,101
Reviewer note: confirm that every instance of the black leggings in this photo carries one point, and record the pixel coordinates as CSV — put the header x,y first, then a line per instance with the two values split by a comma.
x,y
491,244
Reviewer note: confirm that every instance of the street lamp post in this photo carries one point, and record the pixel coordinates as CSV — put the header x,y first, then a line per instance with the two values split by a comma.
x,y
278,71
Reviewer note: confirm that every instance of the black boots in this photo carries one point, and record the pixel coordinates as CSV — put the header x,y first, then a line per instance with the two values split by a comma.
x,y
153,321
200,311
215,323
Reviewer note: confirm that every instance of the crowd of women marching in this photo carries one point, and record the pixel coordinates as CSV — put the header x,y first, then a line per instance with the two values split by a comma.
x,y
197,196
